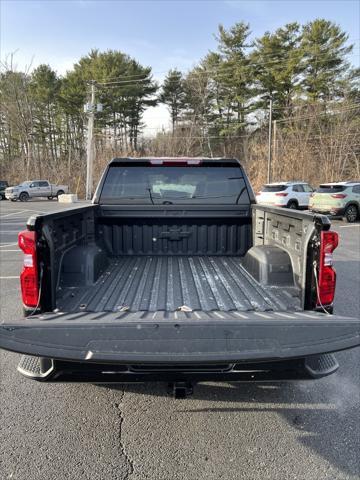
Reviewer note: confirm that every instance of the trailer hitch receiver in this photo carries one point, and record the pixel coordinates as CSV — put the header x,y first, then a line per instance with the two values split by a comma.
x,y
180,390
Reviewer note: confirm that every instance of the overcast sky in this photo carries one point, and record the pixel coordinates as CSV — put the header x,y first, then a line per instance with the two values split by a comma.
x,y
161,34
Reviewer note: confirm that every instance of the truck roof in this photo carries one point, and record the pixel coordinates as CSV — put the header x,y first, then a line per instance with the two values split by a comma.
x,y
173,159
34,180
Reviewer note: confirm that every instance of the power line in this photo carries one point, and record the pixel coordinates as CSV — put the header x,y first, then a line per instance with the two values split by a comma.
x,y
322,113
220,74
202,71
122,77
228,124
218,119
169,136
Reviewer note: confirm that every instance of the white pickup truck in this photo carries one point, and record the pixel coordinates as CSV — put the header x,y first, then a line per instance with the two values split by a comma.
x,y
35,188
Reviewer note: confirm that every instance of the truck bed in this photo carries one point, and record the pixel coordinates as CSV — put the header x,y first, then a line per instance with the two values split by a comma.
x,y
173,273
170,283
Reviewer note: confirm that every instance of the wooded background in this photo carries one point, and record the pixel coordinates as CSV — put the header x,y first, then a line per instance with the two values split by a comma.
x,y
219,108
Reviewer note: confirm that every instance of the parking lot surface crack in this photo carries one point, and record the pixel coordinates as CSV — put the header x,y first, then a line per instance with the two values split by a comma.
x,y
129,460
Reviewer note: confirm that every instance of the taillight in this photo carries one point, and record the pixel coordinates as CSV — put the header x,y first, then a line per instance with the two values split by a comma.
x,y
29,275
282,194
338,195
327,274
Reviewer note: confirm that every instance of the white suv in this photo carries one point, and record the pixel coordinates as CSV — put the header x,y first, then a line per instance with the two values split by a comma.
x,y
286,194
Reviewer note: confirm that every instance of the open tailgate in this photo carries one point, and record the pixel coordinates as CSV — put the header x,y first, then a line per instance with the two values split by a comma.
x,y
145,337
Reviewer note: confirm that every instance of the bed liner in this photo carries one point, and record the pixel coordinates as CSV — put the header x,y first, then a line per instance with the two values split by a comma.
x,y
169,283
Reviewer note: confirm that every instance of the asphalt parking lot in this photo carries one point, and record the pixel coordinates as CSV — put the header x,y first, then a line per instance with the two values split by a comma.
x,y
297,430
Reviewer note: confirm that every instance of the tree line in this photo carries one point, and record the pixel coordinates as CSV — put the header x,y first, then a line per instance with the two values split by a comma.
x,y
219,107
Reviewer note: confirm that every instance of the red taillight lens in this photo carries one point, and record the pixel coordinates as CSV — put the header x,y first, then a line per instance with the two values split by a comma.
x,y
338,195
29,275
281,194
327,274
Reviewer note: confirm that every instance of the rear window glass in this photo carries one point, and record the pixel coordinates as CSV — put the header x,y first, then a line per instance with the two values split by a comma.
x,y
330,188
167,185
273,188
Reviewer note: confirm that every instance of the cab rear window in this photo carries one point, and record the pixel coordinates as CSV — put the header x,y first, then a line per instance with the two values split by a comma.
x,y
144,183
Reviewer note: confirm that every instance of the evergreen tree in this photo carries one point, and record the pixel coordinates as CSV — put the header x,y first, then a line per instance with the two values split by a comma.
x,y
276,60
124,88
44,88
235,74
173,95
323,47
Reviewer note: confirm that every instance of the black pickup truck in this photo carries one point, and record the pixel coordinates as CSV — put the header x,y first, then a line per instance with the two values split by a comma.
x,y
174,273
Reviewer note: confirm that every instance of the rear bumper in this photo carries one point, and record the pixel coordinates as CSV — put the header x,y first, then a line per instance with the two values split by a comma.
x,y
271,204
46,370
332,211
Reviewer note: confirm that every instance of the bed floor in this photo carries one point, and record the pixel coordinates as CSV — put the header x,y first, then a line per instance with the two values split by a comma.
x,y
170,283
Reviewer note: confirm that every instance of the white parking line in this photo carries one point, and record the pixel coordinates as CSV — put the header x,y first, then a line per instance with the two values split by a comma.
x,y
10,250
2,245
349,226
12,223
26,212
14,213
9,278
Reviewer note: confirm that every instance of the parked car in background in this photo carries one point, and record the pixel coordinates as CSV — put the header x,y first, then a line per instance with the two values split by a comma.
x,y
286,194
341,199
3,185
35,188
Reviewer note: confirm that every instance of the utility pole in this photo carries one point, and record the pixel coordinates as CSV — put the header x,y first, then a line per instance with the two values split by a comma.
x,y
89,148
270,142
275,149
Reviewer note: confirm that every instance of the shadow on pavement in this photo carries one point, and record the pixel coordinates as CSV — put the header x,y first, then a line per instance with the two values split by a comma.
x,y
322,418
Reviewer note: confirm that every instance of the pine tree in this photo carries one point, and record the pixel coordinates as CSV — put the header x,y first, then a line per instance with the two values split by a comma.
x,y
276,59
173,95
235,73
324,50
44,88
124,88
